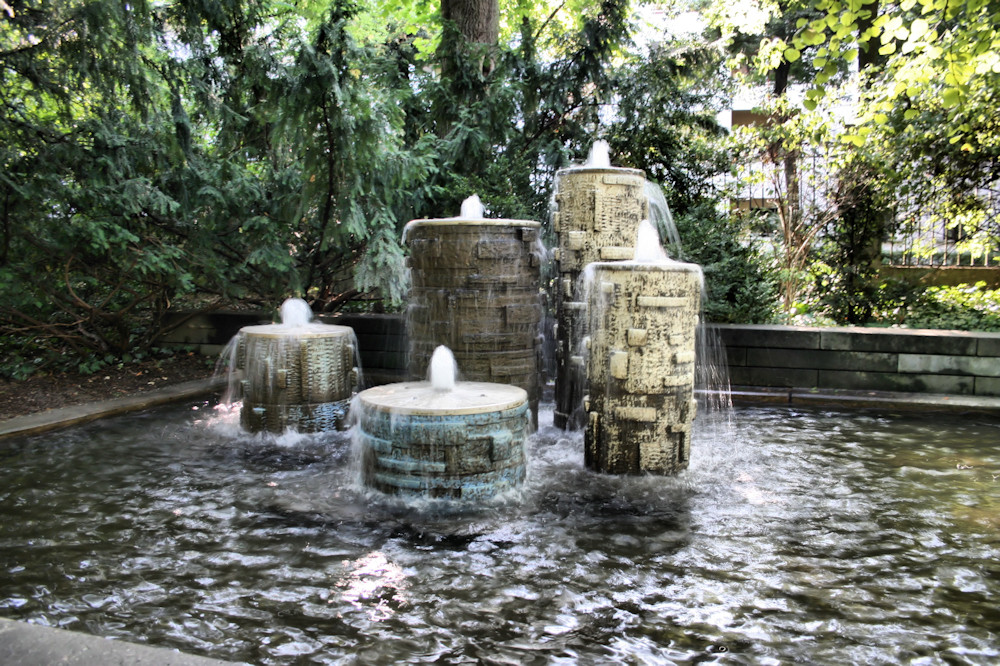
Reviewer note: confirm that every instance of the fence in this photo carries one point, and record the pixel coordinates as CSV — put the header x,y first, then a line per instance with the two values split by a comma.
x,y
938,229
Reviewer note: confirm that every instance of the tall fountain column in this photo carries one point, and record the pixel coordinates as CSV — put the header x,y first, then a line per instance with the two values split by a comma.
x,y
643,317
475,289
597,212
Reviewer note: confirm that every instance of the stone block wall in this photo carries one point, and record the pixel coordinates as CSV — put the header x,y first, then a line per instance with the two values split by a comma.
x,y
865,359
918,361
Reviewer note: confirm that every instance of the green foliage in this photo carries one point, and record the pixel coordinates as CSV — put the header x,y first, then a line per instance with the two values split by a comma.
x,y
948,50
666,124
209,152
250,157
967,307
852,249
739,288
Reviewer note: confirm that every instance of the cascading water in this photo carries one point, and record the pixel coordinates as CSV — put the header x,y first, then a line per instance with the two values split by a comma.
x,y
296,375
442,438
661,217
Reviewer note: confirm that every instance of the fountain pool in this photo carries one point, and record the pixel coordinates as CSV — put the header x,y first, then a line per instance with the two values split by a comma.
x,y
795,536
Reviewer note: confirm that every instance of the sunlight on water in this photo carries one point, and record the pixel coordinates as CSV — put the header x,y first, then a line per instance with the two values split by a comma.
x,y
795,536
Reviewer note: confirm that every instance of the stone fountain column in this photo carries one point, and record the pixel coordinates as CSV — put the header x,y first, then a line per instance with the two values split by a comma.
x,y
475,289
641,369
442,438
295,377
597,213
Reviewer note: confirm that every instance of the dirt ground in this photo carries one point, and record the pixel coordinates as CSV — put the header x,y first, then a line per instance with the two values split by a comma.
x,y
46,391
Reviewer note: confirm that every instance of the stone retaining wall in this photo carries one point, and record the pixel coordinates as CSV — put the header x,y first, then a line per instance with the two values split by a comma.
x,y
918,361
915,361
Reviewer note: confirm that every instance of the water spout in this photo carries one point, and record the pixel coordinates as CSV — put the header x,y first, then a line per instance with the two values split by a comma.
x,y
472,208
443,369
600,155
295,312
647,244
661,217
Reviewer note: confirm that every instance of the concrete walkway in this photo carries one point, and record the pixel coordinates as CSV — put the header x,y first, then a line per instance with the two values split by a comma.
x,y
64,417
27,644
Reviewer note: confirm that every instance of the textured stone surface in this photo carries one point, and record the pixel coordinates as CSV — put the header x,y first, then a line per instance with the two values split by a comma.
x,y
460,453
887,381
949,365
596,218
27,644
475,289
785,337
988,344
987,386
641,401
821,359
777,377
899,341
295,381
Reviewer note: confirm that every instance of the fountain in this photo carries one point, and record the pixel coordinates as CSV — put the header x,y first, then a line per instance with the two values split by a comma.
x,y
442,438
597,207
641,368
794,536
475,289
298,374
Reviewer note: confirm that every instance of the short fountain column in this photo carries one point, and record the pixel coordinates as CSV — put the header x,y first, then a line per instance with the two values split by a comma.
x,y
641,365
297,375
442,438
597,211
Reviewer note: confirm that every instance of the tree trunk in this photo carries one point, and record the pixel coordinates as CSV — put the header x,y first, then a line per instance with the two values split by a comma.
x,y
478,21
477,24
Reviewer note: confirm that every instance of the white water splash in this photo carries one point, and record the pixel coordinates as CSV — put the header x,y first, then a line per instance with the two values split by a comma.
x,y
443,369
295,312
600,155
472,208
647,244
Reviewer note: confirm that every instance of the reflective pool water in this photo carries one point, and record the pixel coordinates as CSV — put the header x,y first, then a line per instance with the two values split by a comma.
x,y
795,536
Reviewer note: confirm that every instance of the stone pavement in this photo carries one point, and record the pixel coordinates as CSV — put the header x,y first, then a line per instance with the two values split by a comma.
x,y
27,644
63,417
